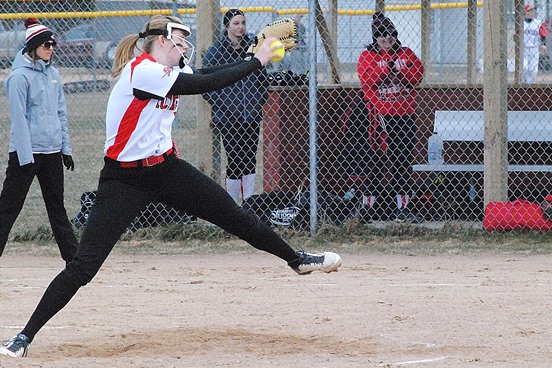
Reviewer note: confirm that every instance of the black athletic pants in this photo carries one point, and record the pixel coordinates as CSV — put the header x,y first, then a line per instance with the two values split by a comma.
x,y
122,194
48,168
240,142
401,132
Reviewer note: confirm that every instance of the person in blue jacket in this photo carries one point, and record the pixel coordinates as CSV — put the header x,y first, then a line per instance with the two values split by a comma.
x,y
237,109
39,143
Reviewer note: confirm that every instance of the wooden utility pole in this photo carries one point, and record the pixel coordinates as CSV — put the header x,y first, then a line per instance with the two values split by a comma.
x,y
208,149
495,102
472,41
426,32
518,38
333,9
328,42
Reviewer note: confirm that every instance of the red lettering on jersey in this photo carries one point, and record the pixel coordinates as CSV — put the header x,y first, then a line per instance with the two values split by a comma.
x,y
168,103
174,105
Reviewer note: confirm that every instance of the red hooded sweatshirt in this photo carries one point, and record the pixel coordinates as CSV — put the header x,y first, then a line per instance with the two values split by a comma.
x,y
391,93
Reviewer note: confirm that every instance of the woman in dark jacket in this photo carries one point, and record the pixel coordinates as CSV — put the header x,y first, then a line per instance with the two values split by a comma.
x,y
237,109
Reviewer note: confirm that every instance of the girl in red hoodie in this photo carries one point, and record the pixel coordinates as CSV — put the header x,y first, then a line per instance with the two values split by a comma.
x,y
388,73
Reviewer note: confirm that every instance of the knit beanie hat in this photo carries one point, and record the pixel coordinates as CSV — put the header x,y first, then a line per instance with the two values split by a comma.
x,y
382,26
229,15
36,34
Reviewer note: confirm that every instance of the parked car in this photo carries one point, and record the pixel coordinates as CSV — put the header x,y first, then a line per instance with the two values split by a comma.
x,y
11,41
85,46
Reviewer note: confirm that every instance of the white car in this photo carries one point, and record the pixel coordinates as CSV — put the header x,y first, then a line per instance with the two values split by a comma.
x,y
85,46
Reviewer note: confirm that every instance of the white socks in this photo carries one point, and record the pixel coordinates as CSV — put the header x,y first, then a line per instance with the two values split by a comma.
x,y
368,201
248,185
402,200
233,187
245,186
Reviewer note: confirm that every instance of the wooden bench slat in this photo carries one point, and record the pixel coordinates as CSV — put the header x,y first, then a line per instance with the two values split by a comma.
x,y
463,125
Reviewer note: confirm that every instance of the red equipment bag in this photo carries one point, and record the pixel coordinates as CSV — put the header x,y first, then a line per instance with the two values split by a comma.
x,y
516,215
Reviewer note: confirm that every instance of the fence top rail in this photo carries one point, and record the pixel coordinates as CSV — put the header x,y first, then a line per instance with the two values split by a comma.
x,y
93,14
250,9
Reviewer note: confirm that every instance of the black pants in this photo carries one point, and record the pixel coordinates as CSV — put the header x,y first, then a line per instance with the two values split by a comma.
x,y
401,132
240,143
48,168
122,194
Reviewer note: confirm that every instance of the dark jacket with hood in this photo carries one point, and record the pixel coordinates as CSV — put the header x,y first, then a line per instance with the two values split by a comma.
x,y
243,101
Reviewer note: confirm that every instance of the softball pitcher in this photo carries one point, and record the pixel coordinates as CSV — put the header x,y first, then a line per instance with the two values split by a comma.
x,y
141,166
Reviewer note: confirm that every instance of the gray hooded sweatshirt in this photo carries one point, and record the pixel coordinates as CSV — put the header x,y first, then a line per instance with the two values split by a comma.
x,y
38,112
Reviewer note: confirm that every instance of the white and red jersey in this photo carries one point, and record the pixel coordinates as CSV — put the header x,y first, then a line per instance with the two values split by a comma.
x,y
532,32
137,129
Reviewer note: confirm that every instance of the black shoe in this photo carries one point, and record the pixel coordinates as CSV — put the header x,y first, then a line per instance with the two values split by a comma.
x,y
308,262
405,215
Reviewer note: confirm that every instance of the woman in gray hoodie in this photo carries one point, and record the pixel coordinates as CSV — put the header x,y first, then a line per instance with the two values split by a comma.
x,y
39,139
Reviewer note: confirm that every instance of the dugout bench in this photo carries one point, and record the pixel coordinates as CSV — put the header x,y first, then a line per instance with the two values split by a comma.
x,y
462,132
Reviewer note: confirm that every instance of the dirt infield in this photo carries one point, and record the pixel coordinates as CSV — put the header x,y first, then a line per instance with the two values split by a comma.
x,y
249,310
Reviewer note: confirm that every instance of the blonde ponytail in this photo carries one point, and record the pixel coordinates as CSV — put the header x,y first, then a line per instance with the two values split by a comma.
x,y
124,53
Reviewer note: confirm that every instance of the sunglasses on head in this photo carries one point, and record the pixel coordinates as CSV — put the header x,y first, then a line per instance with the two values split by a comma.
x,y
49,44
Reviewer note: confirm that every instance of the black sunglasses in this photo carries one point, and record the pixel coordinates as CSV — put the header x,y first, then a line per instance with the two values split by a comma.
x,y
49,45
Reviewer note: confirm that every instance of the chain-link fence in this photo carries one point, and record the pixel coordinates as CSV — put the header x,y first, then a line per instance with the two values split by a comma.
x,y
342,113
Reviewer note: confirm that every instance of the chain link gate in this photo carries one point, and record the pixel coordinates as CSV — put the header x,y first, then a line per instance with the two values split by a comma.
x,y
369,167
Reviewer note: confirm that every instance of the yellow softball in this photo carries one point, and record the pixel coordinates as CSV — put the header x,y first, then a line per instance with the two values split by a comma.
x,y
280,51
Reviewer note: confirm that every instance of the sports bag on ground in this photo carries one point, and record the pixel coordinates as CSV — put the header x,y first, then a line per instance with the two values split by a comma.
x,y
288,209
515,215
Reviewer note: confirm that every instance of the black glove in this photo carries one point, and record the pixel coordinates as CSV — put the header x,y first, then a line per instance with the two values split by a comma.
x,y
68,162
391,66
